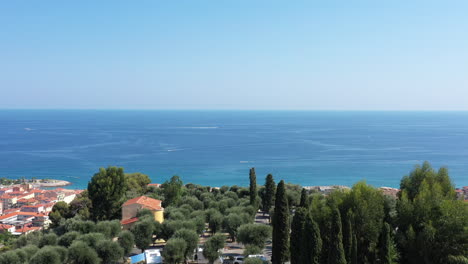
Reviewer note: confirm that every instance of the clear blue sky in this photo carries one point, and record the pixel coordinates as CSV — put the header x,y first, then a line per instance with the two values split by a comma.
x,y
356,55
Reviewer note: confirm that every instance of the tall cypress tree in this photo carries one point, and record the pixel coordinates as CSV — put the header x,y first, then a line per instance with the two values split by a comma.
x,y
336,253
297,235
384,246
354,251
253,186
348,236
312,242
280,249
270,189
303,202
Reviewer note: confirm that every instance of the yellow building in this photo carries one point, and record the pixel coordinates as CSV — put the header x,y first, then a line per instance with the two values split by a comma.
x,y
131,208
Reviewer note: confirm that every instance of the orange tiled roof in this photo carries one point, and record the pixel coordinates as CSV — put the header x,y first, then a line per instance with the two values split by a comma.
x,y
129,221
147,202
5,226
27,229
21,213
11,210
30,200
32,206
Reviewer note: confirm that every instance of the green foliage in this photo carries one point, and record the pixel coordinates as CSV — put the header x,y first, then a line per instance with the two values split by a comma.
x,y
303,202
174,250
280,226
191,239
62,252
30,250
48,240
253,261
10,257
46,255
385,247
293,194
143,233
110,229
253,187
432,224
28,239
215,221
169,227
269,195
107,192
91,239
76,224
109,251
126,241
336,253
367,205
193,202
230,223
172,191
60,210
212,247
252,250
311,242
354,259
80,206
253,234
297,234
348,235
80,253
67,239
136,184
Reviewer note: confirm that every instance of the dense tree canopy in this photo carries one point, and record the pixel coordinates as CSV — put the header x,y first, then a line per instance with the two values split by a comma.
x,y
432,224
172,190
425,224
253,234
107,193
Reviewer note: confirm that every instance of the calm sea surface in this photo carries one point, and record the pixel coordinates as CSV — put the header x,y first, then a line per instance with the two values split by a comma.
x,y
218,147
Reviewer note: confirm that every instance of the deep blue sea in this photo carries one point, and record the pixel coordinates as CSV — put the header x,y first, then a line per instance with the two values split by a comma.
x,y
218,147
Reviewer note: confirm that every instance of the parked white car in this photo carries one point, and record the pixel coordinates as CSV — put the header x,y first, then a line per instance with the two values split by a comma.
x,y
238,260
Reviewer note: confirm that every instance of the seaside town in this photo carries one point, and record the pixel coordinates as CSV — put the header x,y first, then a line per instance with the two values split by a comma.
x,y
24,208
239,218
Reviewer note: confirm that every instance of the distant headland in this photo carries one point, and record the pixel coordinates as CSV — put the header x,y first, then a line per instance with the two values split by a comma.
x,y
36,183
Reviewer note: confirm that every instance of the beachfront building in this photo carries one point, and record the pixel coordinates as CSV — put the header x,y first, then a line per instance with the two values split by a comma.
x,y
131,208
8,201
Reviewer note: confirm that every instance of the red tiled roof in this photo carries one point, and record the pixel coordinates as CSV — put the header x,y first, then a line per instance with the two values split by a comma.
x,y
154,184
5,226
21,213
12,210
147,202
129,221
27,229
33,206
30,200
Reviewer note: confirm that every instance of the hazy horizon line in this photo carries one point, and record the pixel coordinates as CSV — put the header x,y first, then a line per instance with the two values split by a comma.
x,y
234,109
